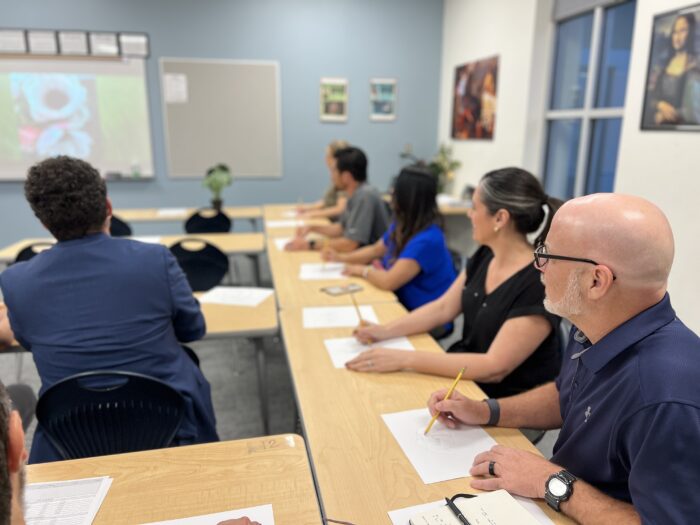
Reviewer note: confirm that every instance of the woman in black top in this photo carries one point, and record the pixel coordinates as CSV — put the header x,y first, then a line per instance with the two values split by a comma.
x,y
510,341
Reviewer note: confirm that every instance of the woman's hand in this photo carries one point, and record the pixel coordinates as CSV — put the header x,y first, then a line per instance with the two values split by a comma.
x,y
379,360
354,270
330,255
368,333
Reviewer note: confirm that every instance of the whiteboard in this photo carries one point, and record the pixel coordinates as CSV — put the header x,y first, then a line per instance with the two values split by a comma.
x,y
93,109
222,111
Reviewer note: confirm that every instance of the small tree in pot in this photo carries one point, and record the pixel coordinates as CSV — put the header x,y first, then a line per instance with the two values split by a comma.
x,y
216,179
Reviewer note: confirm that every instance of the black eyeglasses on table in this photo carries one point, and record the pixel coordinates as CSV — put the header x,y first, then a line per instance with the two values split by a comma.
x,y
542,257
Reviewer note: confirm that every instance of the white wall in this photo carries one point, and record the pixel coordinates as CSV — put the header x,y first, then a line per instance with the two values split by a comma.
x,y
663,167
519,32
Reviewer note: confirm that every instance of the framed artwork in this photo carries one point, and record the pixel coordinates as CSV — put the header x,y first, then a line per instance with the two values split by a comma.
x,y
382,99
334,100
474,100
672,94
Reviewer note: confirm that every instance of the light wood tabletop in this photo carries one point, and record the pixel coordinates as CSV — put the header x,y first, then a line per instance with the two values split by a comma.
x,y
292,292
229,243
181,214
275,213
188,481
361,471
225,320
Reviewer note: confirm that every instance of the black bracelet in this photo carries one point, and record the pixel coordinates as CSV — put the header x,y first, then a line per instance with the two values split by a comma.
x,y
495,412
312,244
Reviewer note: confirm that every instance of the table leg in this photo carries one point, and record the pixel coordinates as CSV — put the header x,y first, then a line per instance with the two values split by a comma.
x,y
259,343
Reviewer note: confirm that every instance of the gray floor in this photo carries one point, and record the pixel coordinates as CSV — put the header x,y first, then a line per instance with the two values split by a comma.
x,y
229,365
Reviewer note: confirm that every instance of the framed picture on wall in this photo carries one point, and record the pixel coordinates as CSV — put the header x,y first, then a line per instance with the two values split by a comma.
x,y
474,100
672,96
382,99
334,99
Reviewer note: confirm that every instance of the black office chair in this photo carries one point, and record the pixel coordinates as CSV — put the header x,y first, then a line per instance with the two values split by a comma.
x,y
30,251
119,228
204,264
208,221
109,412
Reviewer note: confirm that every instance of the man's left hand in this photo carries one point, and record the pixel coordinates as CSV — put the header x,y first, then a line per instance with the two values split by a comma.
x,y
517,471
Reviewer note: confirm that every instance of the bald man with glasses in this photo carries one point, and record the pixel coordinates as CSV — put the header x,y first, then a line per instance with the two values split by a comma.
x,y
627,399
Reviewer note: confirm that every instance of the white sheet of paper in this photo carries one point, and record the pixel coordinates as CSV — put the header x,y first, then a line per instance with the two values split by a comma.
x,y
444,453
281,242
153,239
262,514
321,271
336,316
175,88
343,349
73,502
402,516
236,295
284,224
290,214
171,212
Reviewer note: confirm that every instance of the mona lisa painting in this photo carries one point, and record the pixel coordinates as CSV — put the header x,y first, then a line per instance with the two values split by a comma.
x,y
672,98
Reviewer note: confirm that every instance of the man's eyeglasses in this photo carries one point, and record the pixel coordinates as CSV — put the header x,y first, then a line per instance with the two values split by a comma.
x,y
542,258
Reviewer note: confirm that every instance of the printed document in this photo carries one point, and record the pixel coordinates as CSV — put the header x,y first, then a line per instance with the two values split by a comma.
x,y
321,271
171,212
73,502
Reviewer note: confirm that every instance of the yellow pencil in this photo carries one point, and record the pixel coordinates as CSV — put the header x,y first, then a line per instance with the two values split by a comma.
x,y
449,393
357,308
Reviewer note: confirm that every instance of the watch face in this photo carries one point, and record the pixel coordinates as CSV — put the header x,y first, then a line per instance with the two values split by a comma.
x,y
557,487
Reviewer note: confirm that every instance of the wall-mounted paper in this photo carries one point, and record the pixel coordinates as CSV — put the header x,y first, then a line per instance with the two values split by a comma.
x,y
12,41
175,88
236,295
444,453
343,349
321,271
42,42
337,316
73,42
104,44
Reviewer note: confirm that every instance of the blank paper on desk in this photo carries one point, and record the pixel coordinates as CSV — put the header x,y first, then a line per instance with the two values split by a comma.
x,y
321,271
236,295
343,349
262,514
444,453
336,316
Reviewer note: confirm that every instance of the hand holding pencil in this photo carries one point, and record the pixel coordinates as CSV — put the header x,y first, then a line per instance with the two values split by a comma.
x,y
458,408
436,414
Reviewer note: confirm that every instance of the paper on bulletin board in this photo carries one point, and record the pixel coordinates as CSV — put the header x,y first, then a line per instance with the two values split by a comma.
x,y
175,88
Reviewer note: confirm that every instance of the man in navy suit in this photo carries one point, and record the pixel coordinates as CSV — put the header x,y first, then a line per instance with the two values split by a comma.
x,y
93,302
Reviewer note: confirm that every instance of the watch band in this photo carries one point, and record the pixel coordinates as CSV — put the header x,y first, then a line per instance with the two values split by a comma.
x,y
494,411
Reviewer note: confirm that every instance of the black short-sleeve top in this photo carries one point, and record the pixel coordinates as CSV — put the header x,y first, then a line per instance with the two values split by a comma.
x,y
521,294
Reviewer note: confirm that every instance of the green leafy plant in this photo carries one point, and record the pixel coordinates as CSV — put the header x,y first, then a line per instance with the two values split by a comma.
x,y
443,165
216,179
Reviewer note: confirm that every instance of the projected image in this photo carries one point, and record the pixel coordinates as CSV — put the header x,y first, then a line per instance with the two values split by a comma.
x,y
55,114
96,111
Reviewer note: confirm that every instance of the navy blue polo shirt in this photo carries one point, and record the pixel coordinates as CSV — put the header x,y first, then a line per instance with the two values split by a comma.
x,y
631,411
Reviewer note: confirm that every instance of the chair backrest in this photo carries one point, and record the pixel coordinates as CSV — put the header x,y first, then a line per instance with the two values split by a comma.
x,y
204,264
109,412
208,221
119,228
30,251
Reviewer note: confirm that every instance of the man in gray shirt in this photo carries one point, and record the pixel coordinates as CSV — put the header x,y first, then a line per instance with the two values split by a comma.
x,y
366,216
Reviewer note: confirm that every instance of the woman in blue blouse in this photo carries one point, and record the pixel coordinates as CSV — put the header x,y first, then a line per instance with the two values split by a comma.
x,y
411,258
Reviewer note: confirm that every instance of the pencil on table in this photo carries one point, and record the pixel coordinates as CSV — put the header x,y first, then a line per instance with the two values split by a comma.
x,y
357,308
449,393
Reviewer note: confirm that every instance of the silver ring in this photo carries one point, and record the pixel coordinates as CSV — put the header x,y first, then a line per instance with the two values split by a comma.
x,y
492,465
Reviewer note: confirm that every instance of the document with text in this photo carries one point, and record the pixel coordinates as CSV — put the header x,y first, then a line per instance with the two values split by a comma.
x,y
72,502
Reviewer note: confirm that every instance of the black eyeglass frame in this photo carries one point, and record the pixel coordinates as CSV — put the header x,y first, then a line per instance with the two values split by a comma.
x,y
539,264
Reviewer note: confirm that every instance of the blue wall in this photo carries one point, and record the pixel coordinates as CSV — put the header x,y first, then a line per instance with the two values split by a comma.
x,y
356,39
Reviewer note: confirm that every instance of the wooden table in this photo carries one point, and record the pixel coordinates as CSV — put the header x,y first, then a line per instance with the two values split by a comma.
x,y
291,292
360,469
176,214
199,479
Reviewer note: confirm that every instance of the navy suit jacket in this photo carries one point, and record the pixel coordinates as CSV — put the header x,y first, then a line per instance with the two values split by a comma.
x,y
105,303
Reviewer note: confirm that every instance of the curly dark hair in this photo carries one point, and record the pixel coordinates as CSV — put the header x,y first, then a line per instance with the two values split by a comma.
x,y
68,196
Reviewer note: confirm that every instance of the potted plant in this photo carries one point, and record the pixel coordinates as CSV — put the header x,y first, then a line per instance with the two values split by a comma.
x,y
444,166
216,179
